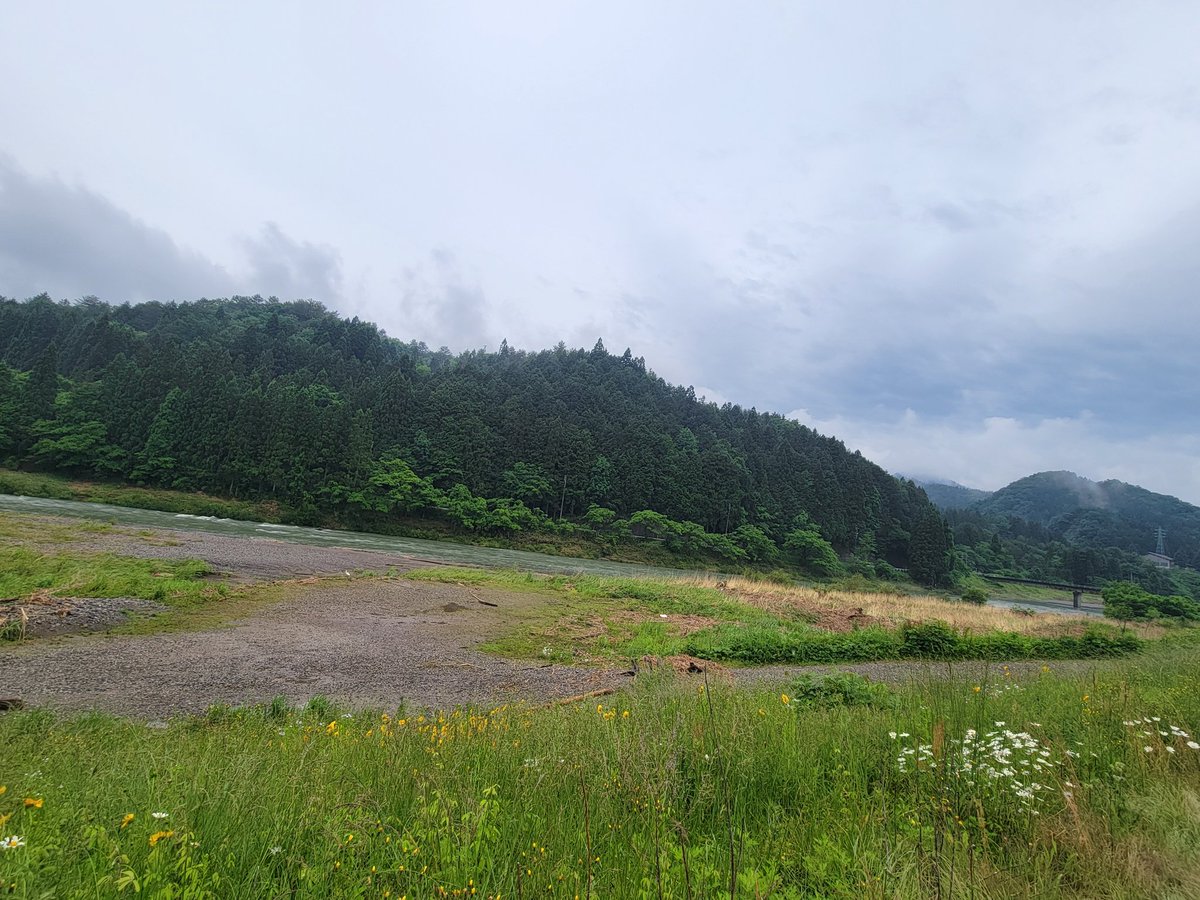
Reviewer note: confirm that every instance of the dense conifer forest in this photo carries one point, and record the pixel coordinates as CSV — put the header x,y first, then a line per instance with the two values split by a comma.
x,y
339,423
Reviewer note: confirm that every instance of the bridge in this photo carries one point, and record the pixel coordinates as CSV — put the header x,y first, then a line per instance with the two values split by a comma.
x,y
1077,590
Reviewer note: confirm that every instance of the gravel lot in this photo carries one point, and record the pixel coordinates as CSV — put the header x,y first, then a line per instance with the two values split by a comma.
x,y
378,642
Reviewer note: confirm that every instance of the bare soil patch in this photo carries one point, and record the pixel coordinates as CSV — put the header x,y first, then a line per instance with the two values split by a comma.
x,y
684,666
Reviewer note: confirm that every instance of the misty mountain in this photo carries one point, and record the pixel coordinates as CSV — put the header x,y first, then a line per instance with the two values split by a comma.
x,y
1093,514
951,494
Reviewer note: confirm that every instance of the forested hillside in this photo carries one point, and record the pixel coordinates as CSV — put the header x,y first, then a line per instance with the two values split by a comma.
x,y
1056,525
288,402
1094,515
949,495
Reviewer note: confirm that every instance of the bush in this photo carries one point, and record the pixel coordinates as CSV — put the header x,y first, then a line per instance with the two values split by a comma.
x,y
840,689
759,644
974,595
930,640
888,572
1124,600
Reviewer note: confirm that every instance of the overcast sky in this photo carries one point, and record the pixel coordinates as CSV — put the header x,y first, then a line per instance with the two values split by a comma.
x,y
962,237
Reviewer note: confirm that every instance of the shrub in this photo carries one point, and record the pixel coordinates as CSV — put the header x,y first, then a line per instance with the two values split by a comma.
x,y
887,571
930,640
1125,600
975,595
840,689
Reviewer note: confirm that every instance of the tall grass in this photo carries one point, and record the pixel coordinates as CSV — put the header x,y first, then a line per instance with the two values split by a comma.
x,y
896,608
667,791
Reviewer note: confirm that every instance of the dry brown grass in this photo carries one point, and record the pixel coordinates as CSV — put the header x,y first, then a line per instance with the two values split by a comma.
x,y
827,607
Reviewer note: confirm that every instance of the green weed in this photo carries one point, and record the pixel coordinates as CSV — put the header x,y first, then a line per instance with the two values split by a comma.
x,y
822,789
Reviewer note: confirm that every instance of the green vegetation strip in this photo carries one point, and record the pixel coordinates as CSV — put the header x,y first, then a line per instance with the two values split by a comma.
x,y
24,571
745,634
29,576
1053,786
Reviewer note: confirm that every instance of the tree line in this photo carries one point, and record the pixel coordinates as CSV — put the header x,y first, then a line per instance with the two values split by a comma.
x,y
259,399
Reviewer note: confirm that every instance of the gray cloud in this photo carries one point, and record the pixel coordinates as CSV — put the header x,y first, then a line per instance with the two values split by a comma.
x,y
442,305
71,242
292,269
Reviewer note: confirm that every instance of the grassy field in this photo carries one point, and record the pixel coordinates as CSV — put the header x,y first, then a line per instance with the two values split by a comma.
x,y
1083,782
1063,785
742,621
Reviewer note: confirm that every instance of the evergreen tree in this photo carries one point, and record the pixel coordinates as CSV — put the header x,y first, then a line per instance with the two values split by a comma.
x,y
931,551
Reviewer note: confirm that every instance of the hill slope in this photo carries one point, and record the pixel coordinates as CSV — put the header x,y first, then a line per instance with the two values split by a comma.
x,y
1101,514
951,495
289,402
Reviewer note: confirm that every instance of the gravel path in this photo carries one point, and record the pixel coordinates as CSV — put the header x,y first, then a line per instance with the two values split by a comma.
x,y
380,642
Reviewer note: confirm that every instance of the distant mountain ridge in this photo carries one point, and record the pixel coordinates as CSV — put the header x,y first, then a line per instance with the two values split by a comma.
x,y
951,494
1094,514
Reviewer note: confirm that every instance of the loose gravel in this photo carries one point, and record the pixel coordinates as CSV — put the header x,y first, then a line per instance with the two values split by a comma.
x,y
69,615
371,643
244,558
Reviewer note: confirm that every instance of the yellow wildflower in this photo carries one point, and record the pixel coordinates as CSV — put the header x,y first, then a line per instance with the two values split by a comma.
x,y
4,819
128,817
977,689
35,802
160,835
3,788
785,699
